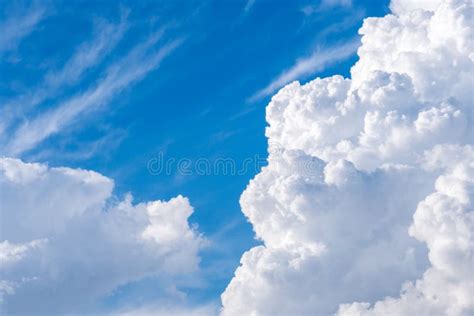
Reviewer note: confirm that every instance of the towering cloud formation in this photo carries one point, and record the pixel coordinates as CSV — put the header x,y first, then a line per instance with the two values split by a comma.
x,y
66,242
369,192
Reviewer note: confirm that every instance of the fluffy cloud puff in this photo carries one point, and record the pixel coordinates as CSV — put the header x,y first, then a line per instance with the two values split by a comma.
x,y
366,206
67,242
444,220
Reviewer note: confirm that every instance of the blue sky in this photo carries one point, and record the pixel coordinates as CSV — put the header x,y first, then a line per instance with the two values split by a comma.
x,y
110,85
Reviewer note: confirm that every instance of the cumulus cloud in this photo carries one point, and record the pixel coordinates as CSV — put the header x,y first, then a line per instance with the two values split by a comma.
x,y
444,220
67,242
365,207
403,6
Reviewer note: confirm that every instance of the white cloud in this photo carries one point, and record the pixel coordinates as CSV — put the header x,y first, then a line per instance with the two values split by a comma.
x,y
444,220
19,25
249,5
10,253
166,310
317,61
87,55
142,59
404,6
66,242
344,3
325,5
106,36
370,181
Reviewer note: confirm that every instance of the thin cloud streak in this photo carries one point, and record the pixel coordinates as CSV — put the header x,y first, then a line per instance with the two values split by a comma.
x,y
318,61
134,67
89,54
17,27
324,5
249,5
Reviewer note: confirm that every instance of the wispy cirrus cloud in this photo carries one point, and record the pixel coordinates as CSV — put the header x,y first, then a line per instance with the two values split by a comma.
x,y
119,76
178,309
249,5
324,5
141,60
87,55
317,61
18,25
102,146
